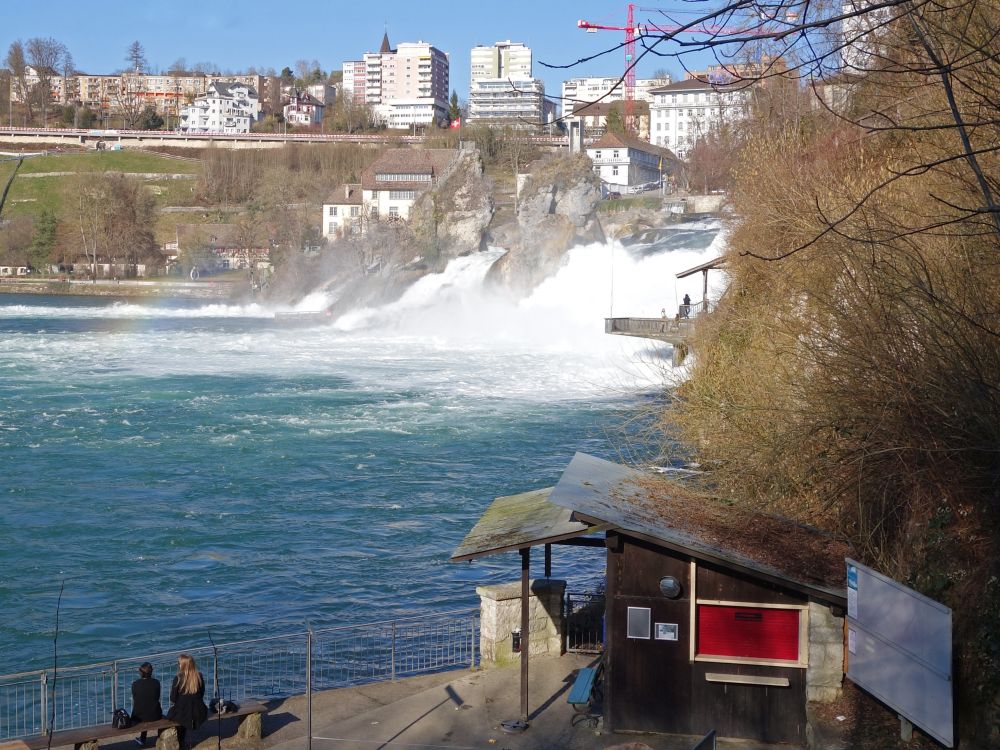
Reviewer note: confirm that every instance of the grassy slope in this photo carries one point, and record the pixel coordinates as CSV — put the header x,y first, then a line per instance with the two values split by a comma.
x,y
31,195
110,161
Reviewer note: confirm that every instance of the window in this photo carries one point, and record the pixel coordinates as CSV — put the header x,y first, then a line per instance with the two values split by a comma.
x,y
355,210
394,211
374,213
597,154
331,227
614,170
402,195
333,210
614,154
735,632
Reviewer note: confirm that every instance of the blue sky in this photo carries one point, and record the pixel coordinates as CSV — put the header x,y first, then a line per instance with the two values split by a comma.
x,y
236,35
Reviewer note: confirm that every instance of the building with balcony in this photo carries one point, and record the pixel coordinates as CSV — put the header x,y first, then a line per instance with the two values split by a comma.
x,y
405,86
502,90
224,108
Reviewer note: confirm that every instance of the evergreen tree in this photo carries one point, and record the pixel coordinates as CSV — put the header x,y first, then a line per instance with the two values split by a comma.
x,y
615,122
149,119
454,111
43,239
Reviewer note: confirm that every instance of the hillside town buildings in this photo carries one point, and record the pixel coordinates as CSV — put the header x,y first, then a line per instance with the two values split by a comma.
x,y
406,86
501,88
112,95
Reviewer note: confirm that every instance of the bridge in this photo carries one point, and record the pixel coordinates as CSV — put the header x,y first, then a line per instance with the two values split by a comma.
x,y
147,138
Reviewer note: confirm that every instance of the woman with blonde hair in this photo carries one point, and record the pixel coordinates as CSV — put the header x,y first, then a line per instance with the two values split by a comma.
x,y
187,698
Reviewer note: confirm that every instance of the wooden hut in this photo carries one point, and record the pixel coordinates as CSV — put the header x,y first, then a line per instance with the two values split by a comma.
x,y
714,619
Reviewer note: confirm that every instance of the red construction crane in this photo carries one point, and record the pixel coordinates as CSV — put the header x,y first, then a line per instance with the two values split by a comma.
x,y
632,29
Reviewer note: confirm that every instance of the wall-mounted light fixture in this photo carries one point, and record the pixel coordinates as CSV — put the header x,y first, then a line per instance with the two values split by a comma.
x,y
670,587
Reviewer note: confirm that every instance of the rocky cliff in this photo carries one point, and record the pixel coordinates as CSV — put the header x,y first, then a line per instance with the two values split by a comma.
x,y
450,220
557,210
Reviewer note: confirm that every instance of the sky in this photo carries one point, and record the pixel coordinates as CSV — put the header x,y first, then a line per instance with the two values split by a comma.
x,y
264,34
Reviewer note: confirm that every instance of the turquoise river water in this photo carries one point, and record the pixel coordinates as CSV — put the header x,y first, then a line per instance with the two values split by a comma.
x,y
185,467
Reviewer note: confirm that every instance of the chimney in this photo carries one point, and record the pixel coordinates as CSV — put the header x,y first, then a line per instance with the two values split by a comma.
x,y
347,191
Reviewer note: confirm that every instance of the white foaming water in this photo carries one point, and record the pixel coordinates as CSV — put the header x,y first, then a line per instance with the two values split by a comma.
x,y
448,334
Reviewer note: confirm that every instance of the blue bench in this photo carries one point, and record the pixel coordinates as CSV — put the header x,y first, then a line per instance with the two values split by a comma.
x,y
582,692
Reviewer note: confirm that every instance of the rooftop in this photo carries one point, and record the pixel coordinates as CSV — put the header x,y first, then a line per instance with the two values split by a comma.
x,y
406,161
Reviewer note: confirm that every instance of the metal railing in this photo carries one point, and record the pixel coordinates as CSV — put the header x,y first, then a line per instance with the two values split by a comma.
x,y
583,619
264,668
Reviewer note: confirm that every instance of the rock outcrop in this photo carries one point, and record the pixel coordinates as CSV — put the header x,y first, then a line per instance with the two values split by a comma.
x,y
557,210
450,220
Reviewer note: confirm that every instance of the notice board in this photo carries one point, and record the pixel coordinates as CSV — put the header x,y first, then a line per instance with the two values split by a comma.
x,y
899,649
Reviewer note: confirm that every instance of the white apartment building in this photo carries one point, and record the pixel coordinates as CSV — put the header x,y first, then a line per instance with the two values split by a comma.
x,y
502,89
405,86
685,111
224,108
577,91
623,162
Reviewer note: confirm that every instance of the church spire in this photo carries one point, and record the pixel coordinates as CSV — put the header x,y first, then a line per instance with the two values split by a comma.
x,y
385,49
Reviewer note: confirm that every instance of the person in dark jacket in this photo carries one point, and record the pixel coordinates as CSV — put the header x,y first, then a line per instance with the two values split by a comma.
x,y
145,699
187,698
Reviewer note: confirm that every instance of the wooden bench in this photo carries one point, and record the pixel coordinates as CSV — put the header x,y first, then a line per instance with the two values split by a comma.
x,y
582,693
88,738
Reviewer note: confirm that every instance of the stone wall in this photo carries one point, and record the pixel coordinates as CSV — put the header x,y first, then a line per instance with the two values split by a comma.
x,y
826,654
500,615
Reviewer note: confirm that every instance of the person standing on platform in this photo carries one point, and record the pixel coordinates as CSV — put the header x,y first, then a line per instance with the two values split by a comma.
x,y
187,698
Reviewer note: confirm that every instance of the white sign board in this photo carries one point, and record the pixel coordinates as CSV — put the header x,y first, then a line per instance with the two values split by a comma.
x,y
899,645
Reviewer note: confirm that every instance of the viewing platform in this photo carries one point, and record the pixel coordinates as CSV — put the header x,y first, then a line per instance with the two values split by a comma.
x,y
673,331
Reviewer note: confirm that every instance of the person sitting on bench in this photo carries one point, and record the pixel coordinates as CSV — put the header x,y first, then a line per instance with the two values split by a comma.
x,y
145,699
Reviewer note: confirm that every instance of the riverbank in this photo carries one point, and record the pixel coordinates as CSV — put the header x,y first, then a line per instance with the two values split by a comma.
x,y
126,288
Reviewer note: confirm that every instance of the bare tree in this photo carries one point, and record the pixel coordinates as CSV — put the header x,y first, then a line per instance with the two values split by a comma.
x,y
17,63
130,98
136,57
45,55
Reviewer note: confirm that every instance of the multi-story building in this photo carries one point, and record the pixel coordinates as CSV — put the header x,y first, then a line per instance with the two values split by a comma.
x,y
224,108
353,82
624,162
502,89
405,86
686,111
579,91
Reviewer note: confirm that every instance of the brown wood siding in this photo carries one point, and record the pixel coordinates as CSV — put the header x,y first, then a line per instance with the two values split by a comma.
x,y
653,686
729,585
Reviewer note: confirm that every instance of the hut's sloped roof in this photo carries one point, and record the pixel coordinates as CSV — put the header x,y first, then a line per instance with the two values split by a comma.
x,y
519,521
768,546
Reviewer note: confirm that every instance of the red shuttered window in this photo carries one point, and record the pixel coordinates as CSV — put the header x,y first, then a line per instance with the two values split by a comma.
x,y
748,632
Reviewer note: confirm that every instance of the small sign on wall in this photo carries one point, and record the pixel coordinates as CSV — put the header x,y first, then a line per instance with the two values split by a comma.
x,y
666,631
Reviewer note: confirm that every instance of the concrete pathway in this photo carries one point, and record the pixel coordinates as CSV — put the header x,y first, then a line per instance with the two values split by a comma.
x,y
458,710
